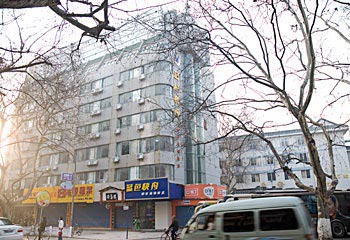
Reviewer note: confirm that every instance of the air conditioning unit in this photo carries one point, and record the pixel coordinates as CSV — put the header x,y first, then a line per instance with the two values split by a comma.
x,y
116,159
94,136
96,91
140,156
117,131
120,83
142,77
141,101
118,107
54,167
45,168
95,112
89,181
140,127
82,182
91,162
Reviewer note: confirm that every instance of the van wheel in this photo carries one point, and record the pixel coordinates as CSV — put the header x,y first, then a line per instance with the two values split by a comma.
x,y
338,229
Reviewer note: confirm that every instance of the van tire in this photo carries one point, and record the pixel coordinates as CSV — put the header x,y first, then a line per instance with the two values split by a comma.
x,y
338,229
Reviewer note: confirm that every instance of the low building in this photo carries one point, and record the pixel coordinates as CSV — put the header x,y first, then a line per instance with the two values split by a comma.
x,y
248,164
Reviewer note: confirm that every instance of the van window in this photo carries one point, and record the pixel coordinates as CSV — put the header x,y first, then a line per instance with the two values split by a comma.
x,y
204,222
279,219
239,222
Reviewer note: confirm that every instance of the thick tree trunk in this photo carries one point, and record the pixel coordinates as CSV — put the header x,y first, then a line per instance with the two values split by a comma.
x,y
323,222
324,228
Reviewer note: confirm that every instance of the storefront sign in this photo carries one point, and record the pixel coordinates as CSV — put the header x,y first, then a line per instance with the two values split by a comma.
x,y
67,177
112,196
82,193
147,189
67,185
204,191
43,198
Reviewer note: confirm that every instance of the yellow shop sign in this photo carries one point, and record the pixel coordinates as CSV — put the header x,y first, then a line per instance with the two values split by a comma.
x,y
82,193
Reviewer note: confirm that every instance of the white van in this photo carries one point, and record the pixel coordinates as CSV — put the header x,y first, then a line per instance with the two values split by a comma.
x,y
260,218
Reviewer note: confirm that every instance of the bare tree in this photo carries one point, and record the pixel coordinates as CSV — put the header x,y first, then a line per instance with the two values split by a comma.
x,y
40,111
282,57
231,161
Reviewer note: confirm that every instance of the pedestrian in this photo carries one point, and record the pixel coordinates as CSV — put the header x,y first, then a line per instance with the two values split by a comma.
x,y
174,226
60,228
42,226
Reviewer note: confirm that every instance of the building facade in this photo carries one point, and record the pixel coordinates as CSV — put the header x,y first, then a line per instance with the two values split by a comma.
x,y
124,147
248,164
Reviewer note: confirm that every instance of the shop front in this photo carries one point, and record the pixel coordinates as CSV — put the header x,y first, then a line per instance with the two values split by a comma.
x,y
55,202
195,195
151,201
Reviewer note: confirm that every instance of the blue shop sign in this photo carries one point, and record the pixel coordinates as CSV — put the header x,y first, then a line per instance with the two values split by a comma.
x,y
147,189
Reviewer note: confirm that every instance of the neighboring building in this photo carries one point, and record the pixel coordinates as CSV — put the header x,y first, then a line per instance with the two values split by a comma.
x,y
347,144
128,147
248,164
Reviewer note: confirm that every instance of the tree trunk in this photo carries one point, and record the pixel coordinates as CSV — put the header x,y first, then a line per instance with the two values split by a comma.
x,y
323,222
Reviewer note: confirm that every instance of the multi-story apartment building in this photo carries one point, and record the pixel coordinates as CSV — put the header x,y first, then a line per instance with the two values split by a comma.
x,y
248,164
128,146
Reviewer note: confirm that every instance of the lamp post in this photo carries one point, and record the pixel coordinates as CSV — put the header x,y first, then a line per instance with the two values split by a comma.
x,y
73,194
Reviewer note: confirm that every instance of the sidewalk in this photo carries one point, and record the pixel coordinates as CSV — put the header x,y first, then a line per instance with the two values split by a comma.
x,y
111,235
115,234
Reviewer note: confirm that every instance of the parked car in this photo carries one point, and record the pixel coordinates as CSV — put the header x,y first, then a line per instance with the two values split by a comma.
x,y
10,231
276,217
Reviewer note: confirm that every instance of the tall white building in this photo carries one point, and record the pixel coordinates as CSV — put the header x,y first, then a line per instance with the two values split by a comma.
x,y
248,164
134,142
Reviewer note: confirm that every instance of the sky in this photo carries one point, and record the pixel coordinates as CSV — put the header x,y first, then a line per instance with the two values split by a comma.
x,y
34,23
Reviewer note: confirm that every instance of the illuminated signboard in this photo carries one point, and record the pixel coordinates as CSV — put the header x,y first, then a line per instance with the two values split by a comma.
x,y
82,193
147,189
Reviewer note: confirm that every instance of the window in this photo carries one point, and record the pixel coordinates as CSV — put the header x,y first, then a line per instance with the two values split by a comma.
x,y
44,161
102,151
286,176
125,148
124,76
269,159
96,84
147,171
280,219
101,176
284,142
238,162
239,178
255,178
202,222
238,222
305,174
303,157
301,141
271,176
92,153
121,174
106,103
252,161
